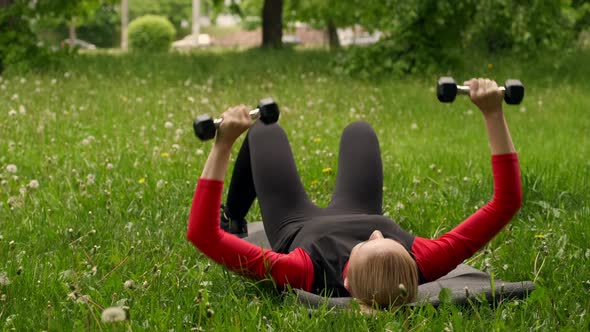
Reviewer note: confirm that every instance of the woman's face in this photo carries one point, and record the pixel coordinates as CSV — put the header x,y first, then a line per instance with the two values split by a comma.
x,y
375,243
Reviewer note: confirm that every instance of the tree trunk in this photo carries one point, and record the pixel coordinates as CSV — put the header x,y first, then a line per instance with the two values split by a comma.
x,y
333,39
72,34
124,22
272,24
5,25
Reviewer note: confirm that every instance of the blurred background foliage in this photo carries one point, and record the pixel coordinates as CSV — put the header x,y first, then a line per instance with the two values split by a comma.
x,y
417,35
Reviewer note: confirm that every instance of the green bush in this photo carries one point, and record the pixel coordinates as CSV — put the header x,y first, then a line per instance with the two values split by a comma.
x,y
151,33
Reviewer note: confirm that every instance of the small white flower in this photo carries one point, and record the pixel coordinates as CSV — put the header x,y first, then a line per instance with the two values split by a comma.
x,y
109,166
85,141
179,132
168,125
414,126
469,112
12,113
191,99
415,180
23,80
34,184
22,110
22,190
175,147
14,97
67,74
465,179
113,314
399,206
523,109
160,183
11,168
200,152
90,179
53,81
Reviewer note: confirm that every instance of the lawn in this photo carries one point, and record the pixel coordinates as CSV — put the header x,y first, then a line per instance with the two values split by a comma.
x,y
98,164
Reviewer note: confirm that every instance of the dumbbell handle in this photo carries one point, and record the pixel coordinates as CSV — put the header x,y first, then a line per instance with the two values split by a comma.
x,y
254,114
464,89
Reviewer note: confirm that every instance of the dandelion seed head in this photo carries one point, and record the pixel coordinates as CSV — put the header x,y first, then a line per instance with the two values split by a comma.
x,y
109,166
414,126
129,284
22,110
85,141
11,168
34,184
23,190
90,179
200,152
179,132
160,183
168,125
12,113
113,314
4,280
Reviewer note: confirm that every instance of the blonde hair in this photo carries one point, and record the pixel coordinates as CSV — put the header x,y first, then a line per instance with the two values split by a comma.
x,y
384,278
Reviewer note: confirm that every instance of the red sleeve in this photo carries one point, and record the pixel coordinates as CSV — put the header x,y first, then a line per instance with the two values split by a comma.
x,y
294,269
435,258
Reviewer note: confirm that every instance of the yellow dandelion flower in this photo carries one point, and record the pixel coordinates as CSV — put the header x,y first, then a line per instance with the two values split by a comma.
x,y
539,236
165,154
314,183
327,170
490,65
142,180
317,140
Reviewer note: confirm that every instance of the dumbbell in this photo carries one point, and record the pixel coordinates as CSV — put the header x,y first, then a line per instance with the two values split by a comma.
x,y
447,90
205,127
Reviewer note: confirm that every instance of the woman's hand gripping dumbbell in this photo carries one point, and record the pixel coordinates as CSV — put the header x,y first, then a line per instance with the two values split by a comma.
x,y
205,127
447,90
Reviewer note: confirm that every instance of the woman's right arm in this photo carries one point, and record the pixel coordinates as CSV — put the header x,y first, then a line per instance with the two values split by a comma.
x,y
204,232
436,258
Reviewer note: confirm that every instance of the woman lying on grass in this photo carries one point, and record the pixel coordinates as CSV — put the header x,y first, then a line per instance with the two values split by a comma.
x,y
348,248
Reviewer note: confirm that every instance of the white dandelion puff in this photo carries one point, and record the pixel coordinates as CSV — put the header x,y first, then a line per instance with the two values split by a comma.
x,y
11,168
129,284
90,179
4,281
109,166
12,113
34,184
179,132
200,152
414,126
22,110
168,125
113,314
191,99
85,141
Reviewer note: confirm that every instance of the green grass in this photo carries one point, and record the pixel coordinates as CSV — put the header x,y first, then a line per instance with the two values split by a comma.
x,y
116,186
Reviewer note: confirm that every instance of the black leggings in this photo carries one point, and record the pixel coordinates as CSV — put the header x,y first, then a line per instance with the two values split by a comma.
x,y
265,168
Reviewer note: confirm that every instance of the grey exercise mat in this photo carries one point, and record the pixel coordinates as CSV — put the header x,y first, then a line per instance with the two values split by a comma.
x,y
464,282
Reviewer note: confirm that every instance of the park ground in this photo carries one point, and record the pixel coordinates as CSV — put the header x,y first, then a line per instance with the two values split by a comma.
x,y
98,165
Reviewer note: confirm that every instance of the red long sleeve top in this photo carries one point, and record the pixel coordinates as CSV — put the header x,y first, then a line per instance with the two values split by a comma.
x,y
434,257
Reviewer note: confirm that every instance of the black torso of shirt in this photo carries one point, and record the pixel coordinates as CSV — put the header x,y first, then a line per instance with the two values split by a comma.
x,y
328,240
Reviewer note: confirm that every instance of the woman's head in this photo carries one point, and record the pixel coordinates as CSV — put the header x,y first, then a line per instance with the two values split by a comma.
x,y
381,272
